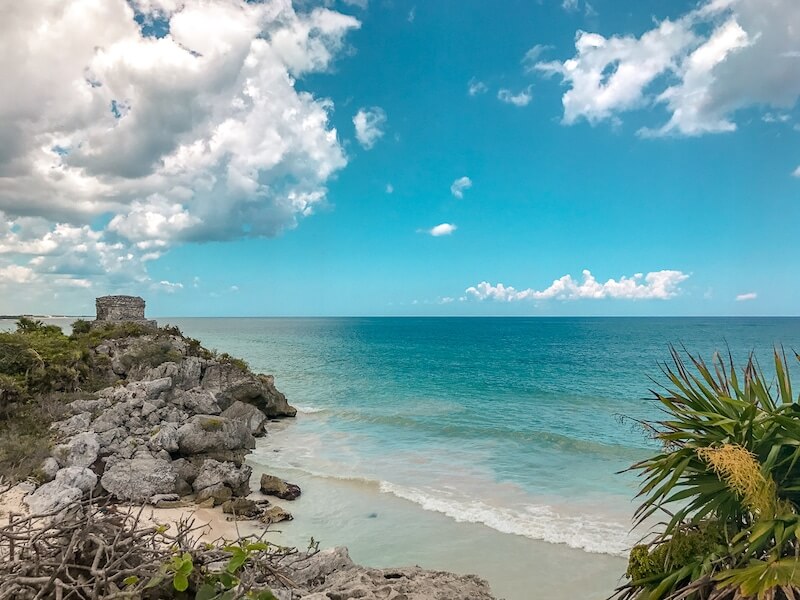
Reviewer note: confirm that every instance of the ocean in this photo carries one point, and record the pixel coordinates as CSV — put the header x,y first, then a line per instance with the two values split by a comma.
x,y
487,445
454,441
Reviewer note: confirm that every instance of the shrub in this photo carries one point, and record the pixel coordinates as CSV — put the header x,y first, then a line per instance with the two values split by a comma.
x,y
81,327
730,470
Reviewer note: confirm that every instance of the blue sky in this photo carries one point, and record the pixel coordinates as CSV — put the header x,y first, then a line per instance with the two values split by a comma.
x,y
620,177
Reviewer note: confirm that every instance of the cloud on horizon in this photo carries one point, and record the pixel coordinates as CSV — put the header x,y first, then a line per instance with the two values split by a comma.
x,y
657,285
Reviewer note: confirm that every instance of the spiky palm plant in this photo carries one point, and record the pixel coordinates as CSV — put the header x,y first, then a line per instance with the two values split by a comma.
x,y
728,479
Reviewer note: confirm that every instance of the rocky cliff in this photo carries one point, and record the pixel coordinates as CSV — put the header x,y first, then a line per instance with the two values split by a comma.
x,y
176,421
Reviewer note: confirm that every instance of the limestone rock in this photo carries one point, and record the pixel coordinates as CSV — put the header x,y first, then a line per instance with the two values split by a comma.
x,y
75,424
79,451
229,383
241,507
274,486
140,478
63,492
219,492
249,415
203,433
166,438
275,514
213,472
49,468
198,401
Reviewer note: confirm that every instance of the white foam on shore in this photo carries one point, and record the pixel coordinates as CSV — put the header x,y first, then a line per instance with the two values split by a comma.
x,y
539,522
309,410
588,532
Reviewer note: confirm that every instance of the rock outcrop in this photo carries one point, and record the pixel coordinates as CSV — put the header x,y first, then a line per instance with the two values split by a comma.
x,y
274,486
332,574
176,421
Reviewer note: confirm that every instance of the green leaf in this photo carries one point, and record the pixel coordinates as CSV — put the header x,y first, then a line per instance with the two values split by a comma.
x,y
132,580
206,592
180,582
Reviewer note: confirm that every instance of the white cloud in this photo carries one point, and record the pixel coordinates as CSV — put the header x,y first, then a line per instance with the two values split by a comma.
x,y
704,66
412,14
197,135
16,274
459,186
369,123
446,300
776,118
521,98
746,297
358,3
532,56
796,172
169,286
661,285
442,229
389,188
475,87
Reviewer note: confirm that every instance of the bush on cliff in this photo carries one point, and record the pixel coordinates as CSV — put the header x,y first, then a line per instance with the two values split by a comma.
x,y
730,473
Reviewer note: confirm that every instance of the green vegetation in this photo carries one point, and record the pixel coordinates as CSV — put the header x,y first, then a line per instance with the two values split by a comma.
x,y
42,369
730,475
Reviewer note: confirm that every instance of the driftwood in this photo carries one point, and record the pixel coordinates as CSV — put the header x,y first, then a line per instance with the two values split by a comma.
x,y
103,551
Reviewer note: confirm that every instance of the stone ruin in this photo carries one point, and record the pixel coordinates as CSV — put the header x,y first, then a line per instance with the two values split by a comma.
x,y
121,309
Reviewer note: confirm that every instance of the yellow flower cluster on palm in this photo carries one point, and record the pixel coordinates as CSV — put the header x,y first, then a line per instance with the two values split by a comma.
x,y
740,470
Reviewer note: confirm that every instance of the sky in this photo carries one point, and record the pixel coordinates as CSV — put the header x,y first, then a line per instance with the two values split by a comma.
x,y
388,157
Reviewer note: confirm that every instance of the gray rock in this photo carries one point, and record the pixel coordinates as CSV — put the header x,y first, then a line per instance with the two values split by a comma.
x,y
154,500
166,438
319,566
229,383
275,486
49,468
185,469
249,415
140,478
78,477
218,492
155,387
275,514
52,498
79,451
198,401
331,574
147,408
75,424
213,472
241,507
203,433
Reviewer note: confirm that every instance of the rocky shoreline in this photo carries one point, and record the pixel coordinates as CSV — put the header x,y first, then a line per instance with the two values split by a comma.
x,y
172,429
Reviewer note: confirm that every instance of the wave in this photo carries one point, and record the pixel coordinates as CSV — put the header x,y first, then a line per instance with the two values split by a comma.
x,y
590,533
309,410
538,522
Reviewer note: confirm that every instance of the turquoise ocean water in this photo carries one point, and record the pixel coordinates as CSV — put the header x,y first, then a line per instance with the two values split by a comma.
x,y
513,423
477,445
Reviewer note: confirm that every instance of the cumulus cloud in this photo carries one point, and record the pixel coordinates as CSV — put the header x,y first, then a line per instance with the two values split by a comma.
x,y
520,99
16,274
442,229
475,87
659,285
746,297
459,186
532,56
703,66
796,172
369,123
199,134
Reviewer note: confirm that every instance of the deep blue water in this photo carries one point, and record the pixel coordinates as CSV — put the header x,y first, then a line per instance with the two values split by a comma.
x,y
513,422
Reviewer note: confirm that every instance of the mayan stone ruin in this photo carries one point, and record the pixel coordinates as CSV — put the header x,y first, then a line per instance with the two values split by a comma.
x,y
119,309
